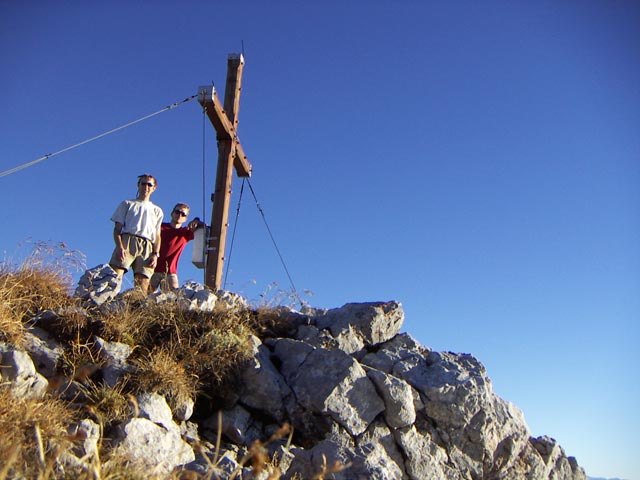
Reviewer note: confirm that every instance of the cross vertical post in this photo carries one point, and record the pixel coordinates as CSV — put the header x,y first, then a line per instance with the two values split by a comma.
x,y
230,154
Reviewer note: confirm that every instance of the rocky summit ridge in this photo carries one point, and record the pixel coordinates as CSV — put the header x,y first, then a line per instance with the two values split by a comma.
x,y
365,401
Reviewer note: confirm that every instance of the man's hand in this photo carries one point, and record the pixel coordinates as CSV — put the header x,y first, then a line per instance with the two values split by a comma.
x,y
121,253
195,224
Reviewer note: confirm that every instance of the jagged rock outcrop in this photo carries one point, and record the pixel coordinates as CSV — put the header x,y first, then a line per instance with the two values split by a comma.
x,y
355,389
99,284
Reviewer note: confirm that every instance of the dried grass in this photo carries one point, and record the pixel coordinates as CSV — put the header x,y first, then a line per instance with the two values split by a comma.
x,y
160,372
107,404
32,434
204,345
41,282
178,353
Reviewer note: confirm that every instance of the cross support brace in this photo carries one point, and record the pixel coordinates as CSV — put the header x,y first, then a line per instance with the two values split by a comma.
x,y
230,154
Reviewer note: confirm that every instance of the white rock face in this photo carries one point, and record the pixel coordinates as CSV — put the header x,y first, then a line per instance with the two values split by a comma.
x,y
355,389
99,284
18,370
398,399
147,443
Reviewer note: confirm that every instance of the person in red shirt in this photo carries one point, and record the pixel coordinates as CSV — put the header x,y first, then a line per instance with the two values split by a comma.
x,y
174,238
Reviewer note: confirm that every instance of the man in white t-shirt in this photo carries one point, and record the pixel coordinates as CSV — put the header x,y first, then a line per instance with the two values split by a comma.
x,y
137,234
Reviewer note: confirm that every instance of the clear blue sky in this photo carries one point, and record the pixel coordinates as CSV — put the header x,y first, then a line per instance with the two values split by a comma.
x,y
476,161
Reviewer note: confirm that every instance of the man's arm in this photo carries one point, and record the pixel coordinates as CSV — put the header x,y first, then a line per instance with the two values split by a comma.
x,y
117,238
153,261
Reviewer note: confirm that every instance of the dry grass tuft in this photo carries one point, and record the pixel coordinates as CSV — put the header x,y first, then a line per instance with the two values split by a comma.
x,y
70,325
335,467
258,456
219,343
126,322
205,345
24,293
108,404
41,282
162,373
273,322
79,360
32,434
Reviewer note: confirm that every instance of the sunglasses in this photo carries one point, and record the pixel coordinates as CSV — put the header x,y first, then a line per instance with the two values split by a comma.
x,y
180,212
147,184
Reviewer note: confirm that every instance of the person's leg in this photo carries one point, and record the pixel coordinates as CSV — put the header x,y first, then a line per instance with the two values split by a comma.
x,y
121,266
172,280
155,281
118,270
141,282
141,270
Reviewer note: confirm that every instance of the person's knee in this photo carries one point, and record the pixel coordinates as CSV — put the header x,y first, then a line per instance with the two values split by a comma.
x,y
119,270
141,279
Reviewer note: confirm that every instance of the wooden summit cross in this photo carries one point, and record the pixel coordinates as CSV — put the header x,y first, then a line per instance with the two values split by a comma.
x,y
230,153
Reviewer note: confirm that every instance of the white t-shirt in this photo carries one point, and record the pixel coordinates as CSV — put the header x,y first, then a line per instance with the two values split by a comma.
x,y
141,218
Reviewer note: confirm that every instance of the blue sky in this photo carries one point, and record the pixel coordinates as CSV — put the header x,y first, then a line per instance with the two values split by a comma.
x,y
476,161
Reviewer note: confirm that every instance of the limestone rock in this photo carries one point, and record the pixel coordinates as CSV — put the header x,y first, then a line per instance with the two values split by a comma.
x,y
358,324
183,408
398,398
379,436
425,459
459,399
44,350
88,434
19,371
114,355
99,284
399,348
557,464
231,300
235,424
291,354
150,445
264,388
333,383
356,391
154,407
195,296
325,455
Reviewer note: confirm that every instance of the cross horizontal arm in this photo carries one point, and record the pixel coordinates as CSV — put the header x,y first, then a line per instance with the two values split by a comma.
x,y
224,129
208,98
240,162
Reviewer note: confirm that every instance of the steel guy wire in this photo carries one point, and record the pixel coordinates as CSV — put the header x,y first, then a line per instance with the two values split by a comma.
x,y
122,127
233,234
273,240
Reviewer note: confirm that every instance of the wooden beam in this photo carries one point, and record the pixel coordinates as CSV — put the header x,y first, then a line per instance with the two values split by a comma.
x,y
208,98
232,90
225,121
240,161
225,129
219,216
235,66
